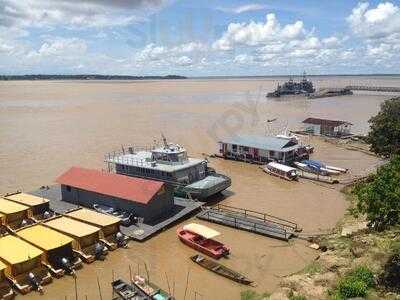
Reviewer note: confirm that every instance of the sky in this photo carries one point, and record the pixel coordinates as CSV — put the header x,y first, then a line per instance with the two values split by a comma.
x,y
199,38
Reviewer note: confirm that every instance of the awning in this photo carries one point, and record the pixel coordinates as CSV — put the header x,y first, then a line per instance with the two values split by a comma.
x,y
26,199
202,230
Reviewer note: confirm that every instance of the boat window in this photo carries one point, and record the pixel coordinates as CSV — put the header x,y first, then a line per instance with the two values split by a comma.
x,y
68,188
234,148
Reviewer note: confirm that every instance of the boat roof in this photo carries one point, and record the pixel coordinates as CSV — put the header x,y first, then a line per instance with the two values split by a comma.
x,y
326,122
44,237
27,199
72,227
202,230
10,207
281,167
143,159
94,217
14,250
271,143
119,186
207,182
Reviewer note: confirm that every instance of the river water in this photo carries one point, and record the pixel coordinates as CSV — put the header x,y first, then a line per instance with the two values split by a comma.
x,y
49,126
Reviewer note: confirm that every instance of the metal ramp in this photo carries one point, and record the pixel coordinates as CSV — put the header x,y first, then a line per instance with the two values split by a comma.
x,y
256,222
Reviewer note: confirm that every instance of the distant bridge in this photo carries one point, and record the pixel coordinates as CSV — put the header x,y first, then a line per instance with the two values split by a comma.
x,y
373,88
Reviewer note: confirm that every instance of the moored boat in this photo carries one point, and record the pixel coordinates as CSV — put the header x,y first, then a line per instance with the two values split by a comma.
x,y
200,238
219,269
316,167
6,291
281,171
128,291
150,289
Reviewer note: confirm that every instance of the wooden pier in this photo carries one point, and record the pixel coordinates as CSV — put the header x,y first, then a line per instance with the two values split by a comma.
x,y
256,222
373,88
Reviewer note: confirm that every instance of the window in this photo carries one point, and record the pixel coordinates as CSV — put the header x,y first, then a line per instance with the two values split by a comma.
x,y
68,188
234,148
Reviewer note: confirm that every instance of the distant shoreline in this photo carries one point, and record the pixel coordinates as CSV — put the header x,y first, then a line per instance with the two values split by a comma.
x,y
86,77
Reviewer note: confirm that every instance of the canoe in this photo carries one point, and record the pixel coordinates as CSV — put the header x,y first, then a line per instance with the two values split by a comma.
x,y
220,269
202,242
128,292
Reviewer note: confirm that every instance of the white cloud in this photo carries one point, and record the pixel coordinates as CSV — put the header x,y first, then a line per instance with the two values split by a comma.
x,y
243,59
184,61
243,8
255,34
380,22
60,48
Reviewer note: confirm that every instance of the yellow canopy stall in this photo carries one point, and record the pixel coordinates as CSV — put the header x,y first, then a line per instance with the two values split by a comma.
x,y
38,204
202,230
3,267
14,213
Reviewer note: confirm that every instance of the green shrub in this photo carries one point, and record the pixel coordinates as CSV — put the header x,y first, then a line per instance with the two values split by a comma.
x,y
252,295
363,274
351,287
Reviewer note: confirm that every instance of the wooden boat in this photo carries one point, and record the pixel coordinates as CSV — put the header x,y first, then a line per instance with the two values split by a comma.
x,y
220,269
316,168
6,291
150,289
199,237
127,291
281,171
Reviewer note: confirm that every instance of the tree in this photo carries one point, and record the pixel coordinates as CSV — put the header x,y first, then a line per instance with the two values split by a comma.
x,y
384,135
379,197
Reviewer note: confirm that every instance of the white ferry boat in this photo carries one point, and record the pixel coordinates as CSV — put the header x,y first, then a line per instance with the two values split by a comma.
x,y
170,163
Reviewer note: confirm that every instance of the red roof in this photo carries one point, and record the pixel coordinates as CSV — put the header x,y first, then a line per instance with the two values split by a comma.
x,y
111,184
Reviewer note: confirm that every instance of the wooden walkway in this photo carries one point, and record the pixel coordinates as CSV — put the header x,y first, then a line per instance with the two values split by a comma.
x,y
256,222
374,88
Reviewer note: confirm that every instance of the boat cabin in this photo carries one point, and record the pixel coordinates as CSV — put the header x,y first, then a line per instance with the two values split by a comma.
x,y
261,149
21,259
85,237
38,205
327,127
55,246
282,171
109,225
6,291
15,215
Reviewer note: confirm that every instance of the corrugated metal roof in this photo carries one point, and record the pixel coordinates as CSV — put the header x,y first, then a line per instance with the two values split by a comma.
x,y
115,185
72,227
271,143
14,250
94,217
326,122
27,199
10,207
44,237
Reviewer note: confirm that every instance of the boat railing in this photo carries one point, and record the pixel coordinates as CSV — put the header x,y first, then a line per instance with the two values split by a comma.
x,y
272,229
260,216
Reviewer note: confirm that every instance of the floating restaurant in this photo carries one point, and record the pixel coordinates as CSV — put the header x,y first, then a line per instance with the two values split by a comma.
x,y
147,199
108,224
262,149
6,291
86,237
37,204
15,214
58,256
24,264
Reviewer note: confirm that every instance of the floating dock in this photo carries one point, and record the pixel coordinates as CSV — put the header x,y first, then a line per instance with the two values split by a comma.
x,y
55,246
85,236
256,222
109,225
38,205
14,213
22,258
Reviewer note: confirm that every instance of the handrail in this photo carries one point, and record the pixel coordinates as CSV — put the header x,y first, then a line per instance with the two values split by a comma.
x,y
245,212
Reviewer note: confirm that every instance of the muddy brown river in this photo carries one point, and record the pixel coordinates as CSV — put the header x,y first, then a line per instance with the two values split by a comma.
x,y
49,126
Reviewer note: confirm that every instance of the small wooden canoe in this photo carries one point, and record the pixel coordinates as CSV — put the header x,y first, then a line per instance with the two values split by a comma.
x,y
220,269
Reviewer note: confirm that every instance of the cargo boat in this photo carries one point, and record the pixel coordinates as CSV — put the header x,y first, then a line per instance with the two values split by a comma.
x,y
86,237
200,238
24,264
39,206
109,226
58,255
170,163
15,215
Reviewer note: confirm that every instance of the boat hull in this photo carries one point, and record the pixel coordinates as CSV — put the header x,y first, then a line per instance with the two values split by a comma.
x,y
215,249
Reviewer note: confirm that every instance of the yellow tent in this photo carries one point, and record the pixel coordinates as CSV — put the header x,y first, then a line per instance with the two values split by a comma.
x,y
10,207
72,227
26,199
93,217
15,251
